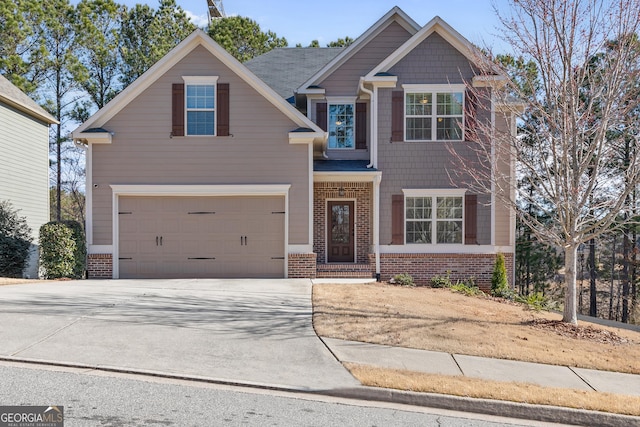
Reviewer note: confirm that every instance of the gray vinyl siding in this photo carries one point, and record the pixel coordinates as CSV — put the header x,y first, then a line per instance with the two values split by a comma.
x,y
426,165
258,152
24,171
344,80
503,212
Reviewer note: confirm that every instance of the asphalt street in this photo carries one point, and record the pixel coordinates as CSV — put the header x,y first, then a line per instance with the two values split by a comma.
x,y
91,398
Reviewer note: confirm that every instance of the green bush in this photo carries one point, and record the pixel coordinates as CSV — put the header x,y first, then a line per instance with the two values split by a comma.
x,y
403,279
499,282
441,281
537,301
467,287
15,240
63,251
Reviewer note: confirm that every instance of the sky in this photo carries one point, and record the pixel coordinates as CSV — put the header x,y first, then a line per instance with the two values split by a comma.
x,y
301,21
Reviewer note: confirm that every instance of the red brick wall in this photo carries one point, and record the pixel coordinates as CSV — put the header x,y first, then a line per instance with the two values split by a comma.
x,y
99,266
362,193
302,266
422,267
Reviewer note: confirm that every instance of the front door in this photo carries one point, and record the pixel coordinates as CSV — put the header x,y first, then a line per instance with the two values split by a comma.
x,y
340,247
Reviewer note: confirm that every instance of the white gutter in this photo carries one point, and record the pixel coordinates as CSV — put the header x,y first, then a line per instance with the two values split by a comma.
x,y
373,150
376,222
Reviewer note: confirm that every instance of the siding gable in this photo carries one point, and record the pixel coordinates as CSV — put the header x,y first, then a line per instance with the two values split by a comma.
x,y
434,61
344,80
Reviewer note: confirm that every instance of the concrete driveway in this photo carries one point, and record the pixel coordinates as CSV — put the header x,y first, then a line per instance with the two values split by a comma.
x,y
247,331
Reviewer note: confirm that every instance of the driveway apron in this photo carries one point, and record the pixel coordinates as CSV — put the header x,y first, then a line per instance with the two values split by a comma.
x,y
247,331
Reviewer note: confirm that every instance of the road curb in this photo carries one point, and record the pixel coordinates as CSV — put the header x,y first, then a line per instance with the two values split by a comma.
x,y
490,407
440,401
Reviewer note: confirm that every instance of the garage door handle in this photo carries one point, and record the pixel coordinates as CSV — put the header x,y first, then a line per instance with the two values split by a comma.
x,y
160,240
156,240
245,240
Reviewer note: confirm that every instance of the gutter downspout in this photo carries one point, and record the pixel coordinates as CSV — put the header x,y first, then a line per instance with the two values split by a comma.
x,y
376,222
373,163
374,146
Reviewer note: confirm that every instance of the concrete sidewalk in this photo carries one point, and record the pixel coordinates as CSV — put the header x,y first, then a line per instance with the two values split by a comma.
x,y
432,362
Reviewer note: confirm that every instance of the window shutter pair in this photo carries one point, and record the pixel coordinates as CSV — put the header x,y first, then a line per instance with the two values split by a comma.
x,y
470,219
222,109
361,122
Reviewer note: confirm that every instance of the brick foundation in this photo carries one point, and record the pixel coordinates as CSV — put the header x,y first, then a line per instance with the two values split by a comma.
x,y
99,266
425,266
302,266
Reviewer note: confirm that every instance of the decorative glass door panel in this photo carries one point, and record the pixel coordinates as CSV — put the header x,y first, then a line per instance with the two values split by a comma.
x,y
340,245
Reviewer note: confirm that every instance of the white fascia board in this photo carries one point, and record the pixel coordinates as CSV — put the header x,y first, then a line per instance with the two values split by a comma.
x,y
197,38
382,81
341,99
346,176
93,137
306,137
425,192
492,81
311,91
405,21
457,87
447,32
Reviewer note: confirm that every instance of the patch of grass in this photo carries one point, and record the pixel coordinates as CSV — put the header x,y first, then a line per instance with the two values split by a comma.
x,y
468,289
486,389
441,320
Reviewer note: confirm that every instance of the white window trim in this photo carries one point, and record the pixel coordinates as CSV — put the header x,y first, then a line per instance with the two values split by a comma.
x,y
443,192
434,90
341,100
201,80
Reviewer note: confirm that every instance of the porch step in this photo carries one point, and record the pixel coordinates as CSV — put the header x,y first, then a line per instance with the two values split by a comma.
x,y
344,271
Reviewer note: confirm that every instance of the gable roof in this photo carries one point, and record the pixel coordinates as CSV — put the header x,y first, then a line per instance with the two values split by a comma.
x,y
286,68
394,15
447,32
195,39
13,96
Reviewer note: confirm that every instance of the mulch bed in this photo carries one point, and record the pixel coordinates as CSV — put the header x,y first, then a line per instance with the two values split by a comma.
x,y
579,332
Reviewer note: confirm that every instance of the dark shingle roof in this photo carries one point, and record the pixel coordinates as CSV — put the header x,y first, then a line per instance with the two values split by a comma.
x,y
285,69
341,166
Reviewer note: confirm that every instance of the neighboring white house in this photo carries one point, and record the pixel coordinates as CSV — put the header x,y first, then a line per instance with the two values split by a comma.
x,y
24,160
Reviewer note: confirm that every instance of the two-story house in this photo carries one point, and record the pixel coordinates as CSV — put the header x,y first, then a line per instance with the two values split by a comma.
x,y
301,163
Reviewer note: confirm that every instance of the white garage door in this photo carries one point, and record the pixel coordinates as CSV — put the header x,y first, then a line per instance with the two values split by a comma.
x,y
183,237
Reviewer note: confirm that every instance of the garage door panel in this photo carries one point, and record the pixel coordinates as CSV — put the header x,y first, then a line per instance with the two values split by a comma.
x,y
245,235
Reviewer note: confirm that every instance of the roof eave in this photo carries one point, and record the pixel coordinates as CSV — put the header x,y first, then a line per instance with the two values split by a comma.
x,y
39,115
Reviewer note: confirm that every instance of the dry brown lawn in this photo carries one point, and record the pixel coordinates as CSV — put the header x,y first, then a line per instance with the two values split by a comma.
x,y
485,389
441,320
10,281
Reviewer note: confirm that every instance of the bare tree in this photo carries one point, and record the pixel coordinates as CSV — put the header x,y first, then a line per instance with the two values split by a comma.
x,y
569,147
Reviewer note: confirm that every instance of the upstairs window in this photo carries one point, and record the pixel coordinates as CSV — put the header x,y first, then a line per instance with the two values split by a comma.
x,y
200,103
341,126
433,113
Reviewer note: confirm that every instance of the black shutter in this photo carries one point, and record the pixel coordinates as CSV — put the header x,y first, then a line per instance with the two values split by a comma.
x,y
321,115
397,219
397,116
361,126
177,109
470,219
222,128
